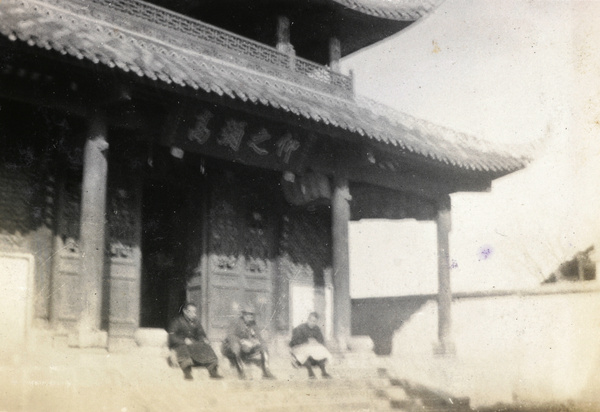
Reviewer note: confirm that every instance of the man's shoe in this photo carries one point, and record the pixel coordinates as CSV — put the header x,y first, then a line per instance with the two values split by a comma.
x,y
187,374
213,372
325,375
268,375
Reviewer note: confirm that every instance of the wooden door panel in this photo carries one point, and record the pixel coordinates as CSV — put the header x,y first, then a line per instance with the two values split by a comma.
x,y
229,280
66,283
225,306
194,292
124,226
262,302
242,248
68,298
258,284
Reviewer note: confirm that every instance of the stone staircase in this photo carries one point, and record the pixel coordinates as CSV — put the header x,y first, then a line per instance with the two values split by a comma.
x,y
352,389
95,380
409,396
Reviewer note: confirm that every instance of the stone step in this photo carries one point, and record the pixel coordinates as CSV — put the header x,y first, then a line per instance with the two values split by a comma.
x,y
316,405
115,394
294,395
403,392
296,400
159,370
95,380
321,406
230,394
270,388
281,368
251,401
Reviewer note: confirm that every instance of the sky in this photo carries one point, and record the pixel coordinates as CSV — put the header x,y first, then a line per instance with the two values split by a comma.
x,y
512,72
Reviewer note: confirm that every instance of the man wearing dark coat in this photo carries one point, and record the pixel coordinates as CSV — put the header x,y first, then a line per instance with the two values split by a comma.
x,y
188,339
244,344
308,347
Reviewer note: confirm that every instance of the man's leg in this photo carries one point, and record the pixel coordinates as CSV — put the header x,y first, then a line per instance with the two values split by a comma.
x,y
321,365
187,373
185,362
232,352
264,363
205,356
213,370
309,364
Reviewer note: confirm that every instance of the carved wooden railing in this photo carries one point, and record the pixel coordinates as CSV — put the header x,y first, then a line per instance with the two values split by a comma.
x,y
182,31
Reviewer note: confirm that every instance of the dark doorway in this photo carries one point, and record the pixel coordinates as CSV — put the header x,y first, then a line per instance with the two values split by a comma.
x,y
163,269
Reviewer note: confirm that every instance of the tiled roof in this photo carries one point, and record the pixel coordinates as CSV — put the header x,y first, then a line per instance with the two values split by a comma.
x,y
74,28
404,10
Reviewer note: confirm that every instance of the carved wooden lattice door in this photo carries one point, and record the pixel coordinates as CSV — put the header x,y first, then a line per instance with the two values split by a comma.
x,y
66,290
242,244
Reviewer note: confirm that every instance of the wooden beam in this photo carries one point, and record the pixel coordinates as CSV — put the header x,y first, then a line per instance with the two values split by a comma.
x,y
177,96
82,103
47,87
408,182
38,89
76,99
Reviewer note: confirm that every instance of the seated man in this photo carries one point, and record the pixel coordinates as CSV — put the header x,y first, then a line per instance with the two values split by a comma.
x,y
244,344
188,339
308,348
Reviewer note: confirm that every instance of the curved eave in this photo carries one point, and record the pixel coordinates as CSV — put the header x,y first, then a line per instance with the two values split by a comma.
x,y
119,48
400,10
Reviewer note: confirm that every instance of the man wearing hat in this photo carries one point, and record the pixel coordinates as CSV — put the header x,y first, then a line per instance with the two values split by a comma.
x,y
188,339
244,344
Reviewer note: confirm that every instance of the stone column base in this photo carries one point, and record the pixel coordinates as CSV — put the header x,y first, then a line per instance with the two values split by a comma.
x,y
444,348
360,344
121,344
88,339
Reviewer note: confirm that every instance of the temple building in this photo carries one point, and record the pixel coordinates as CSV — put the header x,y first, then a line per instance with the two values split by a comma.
x,y
210,152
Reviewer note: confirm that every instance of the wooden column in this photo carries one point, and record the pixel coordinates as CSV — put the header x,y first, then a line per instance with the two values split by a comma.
x,y
444,225
340,209
92,224
284,43
335,54
283,31
205,256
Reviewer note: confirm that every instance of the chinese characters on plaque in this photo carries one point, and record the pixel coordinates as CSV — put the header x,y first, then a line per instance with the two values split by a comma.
x,y
240,136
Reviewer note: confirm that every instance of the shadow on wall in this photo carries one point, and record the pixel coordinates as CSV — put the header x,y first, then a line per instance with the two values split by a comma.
x,y
379,318
527,346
